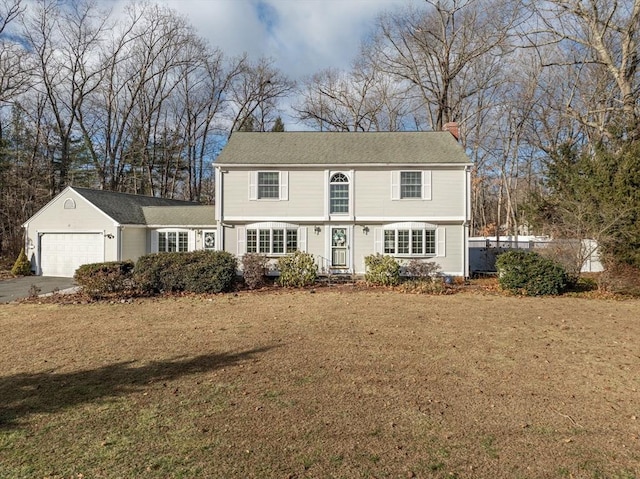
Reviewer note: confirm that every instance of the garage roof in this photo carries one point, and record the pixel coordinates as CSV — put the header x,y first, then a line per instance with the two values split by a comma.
x,y
126,208
179,215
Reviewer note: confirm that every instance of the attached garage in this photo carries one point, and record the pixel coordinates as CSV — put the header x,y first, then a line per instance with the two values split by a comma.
x,y
62,253
81,226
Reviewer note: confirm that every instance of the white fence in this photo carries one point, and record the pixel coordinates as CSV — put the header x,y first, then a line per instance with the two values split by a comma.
x,y
483,251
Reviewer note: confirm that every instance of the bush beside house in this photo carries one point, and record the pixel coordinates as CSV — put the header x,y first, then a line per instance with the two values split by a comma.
x,y
527,272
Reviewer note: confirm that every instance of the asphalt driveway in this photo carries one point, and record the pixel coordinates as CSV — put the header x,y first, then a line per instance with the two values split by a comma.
x,y
12,289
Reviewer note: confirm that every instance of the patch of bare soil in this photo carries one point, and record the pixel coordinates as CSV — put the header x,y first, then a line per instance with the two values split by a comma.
x,y
322,384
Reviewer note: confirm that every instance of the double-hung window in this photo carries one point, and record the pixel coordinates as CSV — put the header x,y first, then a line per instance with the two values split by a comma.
x,y
272,240
339,194
410,242
268,185
411,185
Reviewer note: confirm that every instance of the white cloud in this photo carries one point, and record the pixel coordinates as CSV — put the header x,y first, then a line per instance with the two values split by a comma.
x,y
302,36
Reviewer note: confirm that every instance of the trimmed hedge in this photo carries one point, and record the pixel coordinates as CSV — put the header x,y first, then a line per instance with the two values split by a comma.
x,y
196,271
529,273
382,270
100,280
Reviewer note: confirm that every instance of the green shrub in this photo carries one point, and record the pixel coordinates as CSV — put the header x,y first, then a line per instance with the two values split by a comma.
x,y
529,273
210,271
254,269
297,270
101,280
22,266
196,271
382,270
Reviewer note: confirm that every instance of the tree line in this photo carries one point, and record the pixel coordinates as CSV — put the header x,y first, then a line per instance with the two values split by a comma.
x,y
545,93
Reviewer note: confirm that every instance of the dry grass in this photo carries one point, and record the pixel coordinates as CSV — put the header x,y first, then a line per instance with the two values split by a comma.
x,y
333,384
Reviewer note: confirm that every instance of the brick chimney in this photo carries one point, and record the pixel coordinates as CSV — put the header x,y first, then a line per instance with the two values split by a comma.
x,y
453,128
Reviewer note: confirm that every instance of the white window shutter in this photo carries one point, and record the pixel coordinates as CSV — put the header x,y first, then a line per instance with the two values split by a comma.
x,y
302,239
242,241
395,185
426,185
441,241
284,186
192,240
378,239
154,242
253,185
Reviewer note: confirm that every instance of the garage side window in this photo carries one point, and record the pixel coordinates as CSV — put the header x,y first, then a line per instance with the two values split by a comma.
x,y
172,241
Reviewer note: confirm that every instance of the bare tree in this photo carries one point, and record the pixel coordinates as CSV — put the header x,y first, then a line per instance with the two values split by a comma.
x,y
597,46
434,50
63,42
255,92
362,99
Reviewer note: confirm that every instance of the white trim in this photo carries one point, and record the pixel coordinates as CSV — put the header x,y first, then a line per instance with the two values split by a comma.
x,y
219,187
434,219
292,219
64,193
181,226
414,225
359,166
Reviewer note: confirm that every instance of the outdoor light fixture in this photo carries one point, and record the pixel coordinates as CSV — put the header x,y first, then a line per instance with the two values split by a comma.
x,y
317,229
365,229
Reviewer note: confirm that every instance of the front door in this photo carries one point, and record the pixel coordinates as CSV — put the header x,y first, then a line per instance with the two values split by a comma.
x,y
339,247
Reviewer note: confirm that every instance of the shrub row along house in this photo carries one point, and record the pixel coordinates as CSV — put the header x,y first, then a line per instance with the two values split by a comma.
x,y
338,196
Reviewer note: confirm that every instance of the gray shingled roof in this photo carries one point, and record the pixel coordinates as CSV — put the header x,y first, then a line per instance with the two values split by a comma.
x,y
126,208
179,215
342,148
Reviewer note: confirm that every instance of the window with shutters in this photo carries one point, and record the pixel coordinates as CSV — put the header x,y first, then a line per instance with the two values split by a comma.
x,y
410,242
272,241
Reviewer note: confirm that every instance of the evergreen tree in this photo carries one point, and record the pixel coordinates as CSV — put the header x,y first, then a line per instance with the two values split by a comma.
x,y
278,125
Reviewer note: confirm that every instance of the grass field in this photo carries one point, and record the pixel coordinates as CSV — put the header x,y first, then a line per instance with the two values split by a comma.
x,y
335,384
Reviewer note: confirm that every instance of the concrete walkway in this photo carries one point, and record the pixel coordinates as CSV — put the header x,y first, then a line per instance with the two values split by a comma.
x,y
12,289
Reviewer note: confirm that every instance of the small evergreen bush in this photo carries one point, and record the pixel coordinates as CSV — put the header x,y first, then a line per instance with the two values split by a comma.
x,y
529,273
297,270
382,270
196,271
100,280
254,268
22,266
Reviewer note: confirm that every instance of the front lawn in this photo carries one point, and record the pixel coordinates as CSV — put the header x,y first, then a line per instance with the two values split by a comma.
x,y
327,384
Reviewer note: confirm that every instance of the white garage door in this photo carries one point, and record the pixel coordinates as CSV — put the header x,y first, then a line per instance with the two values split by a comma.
x,y
62,253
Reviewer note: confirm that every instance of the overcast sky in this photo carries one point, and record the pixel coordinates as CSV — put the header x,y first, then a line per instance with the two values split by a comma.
x,y
302,36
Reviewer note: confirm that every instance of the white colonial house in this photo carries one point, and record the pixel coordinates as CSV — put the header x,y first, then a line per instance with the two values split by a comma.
x,y
339,196
343,196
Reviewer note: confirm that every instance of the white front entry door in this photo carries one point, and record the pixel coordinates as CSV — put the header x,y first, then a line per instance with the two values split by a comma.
x,y
340,247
